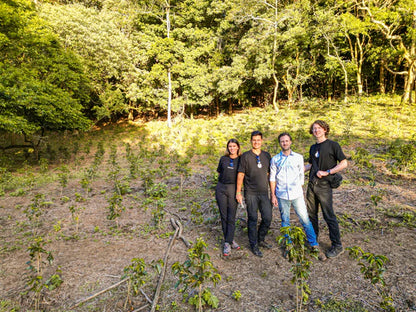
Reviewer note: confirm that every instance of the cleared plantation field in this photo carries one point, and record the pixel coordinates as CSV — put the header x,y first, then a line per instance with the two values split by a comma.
x,y
98,200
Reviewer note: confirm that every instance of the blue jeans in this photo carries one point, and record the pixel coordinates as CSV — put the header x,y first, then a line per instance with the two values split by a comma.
x,y
255,203
300,209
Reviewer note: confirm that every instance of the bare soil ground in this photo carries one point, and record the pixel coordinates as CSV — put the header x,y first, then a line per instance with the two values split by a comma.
x,y
94,259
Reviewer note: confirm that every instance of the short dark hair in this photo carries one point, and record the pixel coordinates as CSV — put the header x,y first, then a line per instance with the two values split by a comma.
x,y
236,142
255,133
283,134
322,124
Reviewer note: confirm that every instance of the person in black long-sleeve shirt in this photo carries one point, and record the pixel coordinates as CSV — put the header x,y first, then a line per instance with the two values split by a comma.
x,y
225,193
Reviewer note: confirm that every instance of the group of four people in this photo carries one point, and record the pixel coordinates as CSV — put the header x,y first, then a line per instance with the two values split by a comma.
x,y
284,174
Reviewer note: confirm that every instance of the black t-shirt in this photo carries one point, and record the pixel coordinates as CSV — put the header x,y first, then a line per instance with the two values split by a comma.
x,y
326,155
256,179
227,169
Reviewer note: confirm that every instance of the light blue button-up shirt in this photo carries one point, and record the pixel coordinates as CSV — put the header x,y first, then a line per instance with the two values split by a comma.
x,y
288,173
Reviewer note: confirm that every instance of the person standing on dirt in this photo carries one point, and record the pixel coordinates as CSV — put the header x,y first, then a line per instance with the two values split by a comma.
x,y
287,177
225,193
326,158
254,172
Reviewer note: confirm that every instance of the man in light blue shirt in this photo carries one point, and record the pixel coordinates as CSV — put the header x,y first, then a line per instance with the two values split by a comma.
x,y
286,181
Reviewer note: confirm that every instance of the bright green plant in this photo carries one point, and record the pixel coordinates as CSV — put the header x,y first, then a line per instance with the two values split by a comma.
x,y
136,273
376,198
63,177
75,214
196,213
373,268
182,167
43,165
116,206
39,256
36,209
134,161
362,158
293,239
236,295
195,273
159,213
403,155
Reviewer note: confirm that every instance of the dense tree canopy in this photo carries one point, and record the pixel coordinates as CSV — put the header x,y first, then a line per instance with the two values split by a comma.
x,y
113,59
42,85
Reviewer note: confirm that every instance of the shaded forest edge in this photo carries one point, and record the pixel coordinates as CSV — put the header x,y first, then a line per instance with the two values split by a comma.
x,y
68,65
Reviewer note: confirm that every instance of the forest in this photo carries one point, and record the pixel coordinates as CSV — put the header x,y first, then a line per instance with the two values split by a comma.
x,y
66,65
114,115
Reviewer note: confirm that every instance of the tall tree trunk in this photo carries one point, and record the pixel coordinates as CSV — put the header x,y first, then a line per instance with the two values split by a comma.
x,y
276,81
169,74
406,98
382,87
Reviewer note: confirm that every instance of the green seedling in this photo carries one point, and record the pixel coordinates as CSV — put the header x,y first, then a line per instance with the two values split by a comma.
x,y
195,273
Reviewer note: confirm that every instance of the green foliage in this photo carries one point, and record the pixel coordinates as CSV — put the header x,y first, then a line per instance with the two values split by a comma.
x,y
115,206
63,177
42,84
8,306
196,272
39,256
373,268
340,305
236,295
407,217
293,239
362,158
36,209
136,273
402,155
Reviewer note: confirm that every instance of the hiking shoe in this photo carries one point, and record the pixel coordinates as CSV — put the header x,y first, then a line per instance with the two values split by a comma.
x,y
234,245
334,251
256,251
227,250
318,252
265,245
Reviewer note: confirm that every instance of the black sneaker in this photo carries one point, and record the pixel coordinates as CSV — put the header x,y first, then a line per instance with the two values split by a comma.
x,y
263,244
256,251
334,251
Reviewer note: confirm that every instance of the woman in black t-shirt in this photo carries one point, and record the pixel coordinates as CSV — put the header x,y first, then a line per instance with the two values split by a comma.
x,y
225,193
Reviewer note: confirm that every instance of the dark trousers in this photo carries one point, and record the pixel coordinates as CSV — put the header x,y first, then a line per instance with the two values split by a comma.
x,y
260,202
320,193
227,204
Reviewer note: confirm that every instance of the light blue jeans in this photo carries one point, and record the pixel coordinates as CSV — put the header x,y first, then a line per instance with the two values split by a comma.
x,y
300,209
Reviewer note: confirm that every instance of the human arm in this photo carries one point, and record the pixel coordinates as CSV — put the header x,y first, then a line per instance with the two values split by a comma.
x,y
240,179
340,166
272,191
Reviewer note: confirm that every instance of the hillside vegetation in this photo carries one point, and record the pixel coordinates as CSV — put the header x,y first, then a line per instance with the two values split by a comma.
x,y
98,207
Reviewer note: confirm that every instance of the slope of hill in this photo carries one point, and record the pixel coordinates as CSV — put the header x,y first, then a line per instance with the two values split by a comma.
x,y
96,201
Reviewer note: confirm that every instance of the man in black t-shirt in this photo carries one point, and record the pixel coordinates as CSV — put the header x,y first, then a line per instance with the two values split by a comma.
x,y
326,158
254,171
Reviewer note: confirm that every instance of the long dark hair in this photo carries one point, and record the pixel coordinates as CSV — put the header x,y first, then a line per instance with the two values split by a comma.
x,y
227,153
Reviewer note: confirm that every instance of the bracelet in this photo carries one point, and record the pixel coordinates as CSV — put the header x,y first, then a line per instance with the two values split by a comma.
x,y
238,192
329,171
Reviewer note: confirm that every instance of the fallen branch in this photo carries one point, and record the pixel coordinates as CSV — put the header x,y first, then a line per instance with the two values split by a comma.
x,y
162,274
177,224
141,308
99,293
